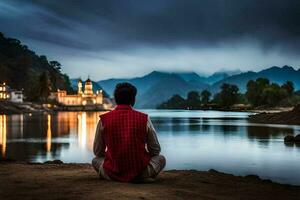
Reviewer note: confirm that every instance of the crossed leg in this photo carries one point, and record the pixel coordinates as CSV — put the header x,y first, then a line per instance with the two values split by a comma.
x,y
97,163
156,165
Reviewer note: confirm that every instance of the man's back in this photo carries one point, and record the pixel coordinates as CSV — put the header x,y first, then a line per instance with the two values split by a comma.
x,y
121,139
125,133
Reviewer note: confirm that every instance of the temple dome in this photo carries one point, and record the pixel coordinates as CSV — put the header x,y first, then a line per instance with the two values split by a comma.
x,y
88,81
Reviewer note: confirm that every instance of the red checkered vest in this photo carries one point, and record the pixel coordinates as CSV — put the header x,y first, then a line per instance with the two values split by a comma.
x,y
124,134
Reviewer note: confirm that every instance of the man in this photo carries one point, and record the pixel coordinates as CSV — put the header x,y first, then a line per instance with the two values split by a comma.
x,y
126,145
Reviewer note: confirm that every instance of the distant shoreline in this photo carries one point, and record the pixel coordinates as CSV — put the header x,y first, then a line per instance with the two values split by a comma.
x,y
254,110
32,107
8,108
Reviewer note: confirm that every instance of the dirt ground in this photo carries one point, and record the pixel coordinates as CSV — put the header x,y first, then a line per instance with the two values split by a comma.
x,y
79,181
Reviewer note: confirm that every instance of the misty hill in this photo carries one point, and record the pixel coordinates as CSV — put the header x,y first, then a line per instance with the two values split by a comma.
x,y
96,86
193,77
145,82
165,88
275,74
189,76
22,68
142,83
156,87
217,76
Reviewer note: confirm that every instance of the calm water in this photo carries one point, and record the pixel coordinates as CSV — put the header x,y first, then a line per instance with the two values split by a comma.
x,y
201,140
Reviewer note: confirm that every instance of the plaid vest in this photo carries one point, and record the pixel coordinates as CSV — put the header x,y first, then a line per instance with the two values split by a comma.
x,y
124,134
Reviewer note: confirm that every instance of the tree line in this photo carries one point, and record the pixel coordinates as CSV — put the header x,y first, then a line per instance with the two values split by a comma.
x,y
22,69
260,92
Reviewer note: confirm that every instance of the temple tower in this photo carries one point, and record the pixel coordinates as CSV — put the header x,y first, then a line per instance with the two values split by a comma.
x,y
79,86
88,87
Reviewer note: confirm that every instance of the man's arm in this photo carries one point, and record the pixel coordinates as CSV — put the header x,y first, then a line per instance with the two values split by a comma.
x,y
153,145
99,146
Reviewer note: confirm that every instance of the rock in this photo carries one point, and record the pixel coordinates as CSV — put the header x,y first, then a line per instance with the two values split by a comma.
x,y
297,108
289,138
4,160
289,144
58,162
34,163
297,138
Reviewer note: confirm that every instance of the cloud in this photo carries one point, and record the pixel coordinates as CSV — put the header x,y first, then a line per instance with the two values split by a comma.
x,y
133,27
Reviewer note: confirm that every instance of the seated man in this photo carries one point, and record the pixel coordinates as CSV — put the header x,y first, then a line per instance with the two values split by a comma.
x,y
126,145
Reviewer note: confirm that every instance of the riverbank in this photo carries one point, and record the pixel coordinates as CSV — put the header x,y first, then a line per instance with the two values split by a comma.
x,y
238,108
79,181
291,117
7,107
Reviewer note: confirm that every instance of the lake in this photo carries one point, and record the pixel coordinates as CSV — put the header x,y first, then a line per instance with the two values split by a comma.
x,y
201,140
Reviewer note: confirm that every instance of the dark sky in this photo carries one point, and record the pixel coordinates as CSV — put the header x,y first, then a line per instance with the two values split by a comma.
x,y
132,37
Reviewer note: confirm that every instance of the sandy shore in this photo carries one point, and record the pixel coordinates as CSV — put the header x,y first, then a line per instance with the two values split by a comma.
x,y
79,181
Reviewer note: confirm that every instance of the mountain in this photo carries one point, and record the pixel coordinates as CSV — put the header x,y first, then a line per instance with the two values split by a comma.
x,y
275,74
96,86
164,89
156,87
188,76
109,84
195,78
217,76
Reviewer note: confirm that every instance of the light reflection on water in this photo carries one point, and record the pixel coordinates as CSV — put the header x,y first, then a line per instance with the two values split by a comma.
x,y
49,134
3,134
201,140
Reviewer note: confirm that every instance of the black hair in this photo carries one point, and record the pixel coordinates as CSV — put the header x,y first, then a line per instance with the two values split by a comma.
x,y
125,94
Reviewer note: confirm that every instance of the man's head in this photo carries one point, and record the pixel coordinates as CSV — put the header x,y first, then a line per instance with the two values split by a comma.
x,y
125,94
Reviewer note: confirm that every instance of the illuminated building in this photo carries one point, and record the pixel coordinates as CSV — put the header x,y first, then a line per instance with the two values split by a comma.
x,y
8,94
16,96
83,97
4,92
